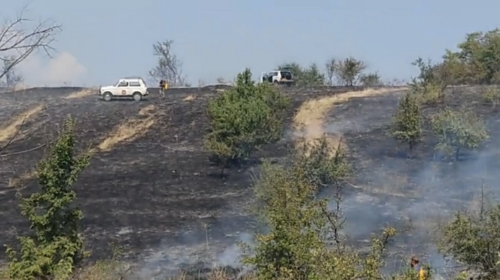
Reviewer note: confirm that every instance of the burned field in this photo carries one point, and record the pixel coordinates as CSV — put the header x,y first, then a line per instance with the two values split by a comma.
x,y
412,193
148,177
149,185
151,189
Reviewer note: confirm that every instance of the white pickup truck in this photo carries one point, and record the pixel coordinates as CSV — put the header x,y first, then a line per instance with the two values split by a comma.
x,y
134,87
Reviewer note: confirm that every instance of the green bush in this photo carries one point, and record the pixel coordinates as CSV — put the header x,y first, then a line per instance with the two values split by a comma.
x,y
370,80
304,239
457,129
491,95
473,239
428,87
243,119
55,246
477,59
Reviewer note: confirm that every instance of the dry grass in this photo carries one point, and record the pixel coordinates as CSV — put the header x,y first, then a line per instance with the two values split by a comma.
x,y
10,130
116,271
190,97
311,117
81,94
18,181
130,130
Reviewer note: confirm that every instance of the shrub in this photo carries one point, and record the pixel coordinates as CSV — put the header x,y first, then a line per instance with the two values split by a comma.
x,y
55,246
472,238
430,94
370,80
457,129
304,239
243,119
428,87
491,95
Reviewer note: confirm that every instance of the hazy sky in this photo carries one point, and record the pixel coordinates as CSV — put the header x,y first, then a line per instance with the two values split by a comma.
x,y
104,40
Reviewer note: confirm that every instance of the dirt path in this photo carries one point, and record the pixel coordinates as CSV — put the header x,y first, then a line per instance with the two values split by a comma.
x,y
310,120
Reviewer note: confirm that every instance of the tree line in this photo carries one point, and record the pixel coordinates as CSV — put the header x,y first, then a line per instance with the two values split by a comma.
x,y
343,72
477,61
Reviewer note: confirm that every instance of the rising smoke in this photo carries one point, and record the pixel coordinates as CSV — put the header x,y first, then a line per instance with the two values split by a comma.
x,y
415,196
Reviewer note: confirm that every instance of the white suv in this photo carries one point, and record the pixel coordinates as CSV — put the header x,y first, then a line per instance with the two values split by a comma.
x,y
277,77
134,87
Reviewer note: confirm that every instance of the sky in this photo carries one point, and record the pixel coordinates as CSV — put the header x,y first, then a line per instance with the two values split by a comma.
x,y
102,41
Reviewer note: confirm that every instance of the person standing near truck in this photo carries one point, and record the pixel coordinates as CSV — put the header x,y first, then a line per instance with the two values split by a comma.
x,y
163,87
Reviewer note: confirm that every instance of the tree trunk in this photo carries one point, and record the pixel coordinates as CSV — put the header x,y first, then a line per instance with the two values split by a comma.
x,y
410,149
457,152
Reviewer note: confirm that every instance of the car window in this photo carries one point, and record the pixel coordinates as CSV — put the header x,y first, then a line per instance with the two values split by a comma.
x,y
123,84
135,84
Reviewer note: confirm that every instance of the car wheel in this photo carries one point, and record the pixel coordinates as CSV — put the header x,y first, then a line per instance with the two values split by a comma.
x,y
107,96
137,96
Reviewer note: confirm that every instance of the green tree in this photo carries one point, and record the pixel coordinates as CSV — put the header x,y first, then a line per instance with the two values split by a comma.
x,y
349,70
407,123
426,75
370,79
304,239
478,57
243,119
312,76
55,246
451,71
458,129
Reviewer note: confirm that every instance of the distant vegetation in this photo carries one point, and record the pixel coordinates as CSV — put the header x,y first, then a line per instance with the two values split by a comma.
x,y
303,240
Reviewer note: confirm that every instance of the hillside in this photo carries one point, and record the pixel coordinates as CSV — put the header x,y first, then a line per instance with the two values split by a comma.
x,y
151,189
149,182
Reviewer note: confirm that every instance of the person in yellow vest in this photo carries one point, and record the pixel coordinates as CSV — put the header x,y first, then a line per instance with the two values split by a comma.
x,y
420,271
163,87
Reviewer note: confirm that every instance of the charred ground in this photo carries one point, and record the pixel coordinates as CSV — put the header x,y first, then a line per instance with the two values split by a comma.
x,y
156,194
413,193
154,189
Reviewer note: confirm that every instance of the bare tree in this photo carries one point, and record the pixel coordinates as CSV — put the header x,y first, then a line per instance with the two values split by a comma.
x,y
331,70
168,67
17,41
11,78
349,70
